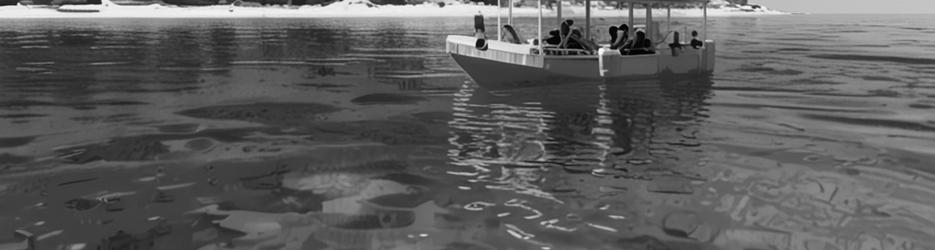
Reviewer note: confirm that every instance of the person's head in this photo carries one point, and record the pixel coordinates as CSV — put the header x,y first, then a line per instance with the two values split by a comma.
x,y
625,27
694,33
566,26
613,30
553,33
640,34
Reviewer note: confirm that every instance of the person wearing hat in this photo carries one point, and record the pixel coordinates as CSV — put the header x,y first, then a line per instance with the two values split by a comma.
x,y
639,46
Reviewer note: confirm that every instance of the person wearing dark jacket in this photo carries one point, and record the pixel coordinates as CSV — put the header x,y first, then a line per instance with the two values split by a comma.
x,y
554,38
639,46
676,44
623,35
695,42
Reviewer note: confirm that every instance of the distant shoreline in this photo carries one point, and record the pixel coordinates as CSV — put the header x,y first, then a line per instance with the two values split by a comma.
x,y
342,9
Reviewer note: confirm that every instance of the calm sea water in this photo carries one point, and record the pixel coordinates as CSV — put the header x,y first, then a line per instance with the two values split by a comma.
x,y
815,132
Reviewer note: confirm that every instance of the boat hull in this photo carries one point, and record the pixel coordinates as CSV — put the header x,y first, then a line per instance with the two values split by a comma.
x,y
136,2
36,3
686,61
278,2
519,65
192,2
495,74
74,2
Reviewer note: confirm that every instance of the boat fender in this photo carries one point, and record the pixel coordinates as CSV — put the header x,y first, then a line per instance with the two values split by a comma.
x,y
481,43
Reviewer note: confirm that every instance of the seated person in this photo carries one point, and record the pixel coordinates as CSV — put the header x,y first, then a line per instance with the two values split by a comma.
x,y
676,42
639,46
613,34
554,38
573,40
583,43
695,42
571,36
587,44
565,32
621,37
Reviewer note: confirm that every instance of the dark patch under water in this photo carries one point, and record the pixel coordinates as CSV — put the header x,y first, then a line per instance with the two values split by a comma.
x,y
888,123
922,106
387,98
21,116
10,142
279,113
76,105
179,128
871,58
148,147
9,160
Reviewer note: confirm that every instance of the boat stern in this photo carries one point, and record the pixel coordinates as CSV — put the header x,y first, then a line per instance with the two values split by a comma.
x,y
708,56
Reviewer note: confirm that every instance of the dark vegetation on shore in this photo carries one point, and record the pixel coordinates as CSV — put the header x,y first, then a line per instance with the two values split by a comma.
x,y
548,3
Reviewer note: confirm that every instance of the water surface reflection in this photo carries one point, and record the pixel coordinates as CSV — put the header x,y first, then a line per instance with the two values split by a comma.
x,y
363,134
577,165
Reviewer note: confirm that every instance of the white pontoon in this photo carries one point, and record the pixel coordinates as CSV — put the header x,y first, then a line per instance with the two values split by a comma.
x,y
510,64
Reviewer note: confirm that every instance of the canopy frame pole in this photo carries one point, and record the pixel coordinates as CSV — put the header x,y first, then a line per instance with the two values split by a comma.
x,y
510,20
668,19
587,19
499,25
630,21
649,22
559,15
704,32
539,2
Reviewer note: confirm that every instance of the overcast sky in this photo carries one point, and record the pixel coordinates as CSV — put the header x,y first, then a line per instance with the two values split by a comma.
x,y
851,6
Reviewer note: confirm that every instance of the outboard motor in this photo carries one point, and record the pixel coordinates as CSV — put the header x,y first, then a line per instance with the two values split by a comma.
x,y
481,43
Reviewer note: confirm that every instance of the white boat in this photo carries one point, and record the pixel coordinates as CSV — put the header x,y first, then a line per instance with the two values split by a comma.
x,y
509,64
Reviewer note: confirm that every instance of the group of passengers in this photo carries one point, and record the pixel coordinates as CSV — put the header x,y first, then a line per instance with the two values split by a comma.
x,y
569,37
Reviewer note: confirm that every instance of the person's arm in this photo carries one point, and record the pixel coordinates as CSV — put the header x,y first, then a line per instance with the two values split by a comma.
x,y
564,42
628,44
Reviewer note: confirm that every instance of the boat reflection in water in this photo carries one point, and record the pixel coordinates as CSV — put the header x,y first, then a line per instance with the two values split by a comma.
x,y
565,167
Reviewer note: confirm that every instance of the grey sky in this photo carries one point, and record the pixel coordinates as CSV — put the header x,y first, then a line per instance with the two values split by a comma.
x,y
851,6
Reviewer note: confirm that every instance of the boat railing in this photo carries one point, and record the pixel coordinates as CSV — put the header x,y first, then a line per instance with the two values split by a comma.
x,y
556,51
